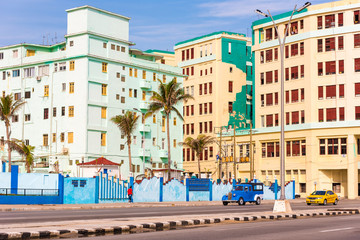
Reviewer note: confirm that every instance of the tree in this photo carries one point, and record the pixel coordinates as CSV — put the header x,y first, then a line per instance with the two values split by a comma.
x,y
24,150
165,100
198,145
127,125
8,109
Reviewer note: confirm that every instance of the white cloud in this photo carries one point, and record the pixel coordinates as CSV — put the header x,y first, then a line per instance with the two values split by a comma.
x,y
244,8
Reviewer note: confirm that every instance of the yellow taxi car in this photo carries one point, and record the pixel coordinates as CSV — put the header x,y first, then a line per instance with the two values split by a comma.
x,y
322,197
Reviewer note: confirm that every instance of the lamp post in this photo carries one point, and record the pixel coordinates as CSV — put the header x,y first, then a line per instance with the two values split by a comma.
x,y
282,46
142,141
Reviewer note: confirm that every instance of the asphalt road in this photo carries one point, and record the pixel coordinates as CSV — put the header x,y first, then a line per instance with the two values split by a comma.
x,y
339,227
124,213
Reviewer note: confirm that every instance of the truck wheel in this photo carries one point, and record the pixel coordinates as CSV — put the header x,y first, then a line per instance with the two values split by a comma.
x,y
258,201
225,203
241,201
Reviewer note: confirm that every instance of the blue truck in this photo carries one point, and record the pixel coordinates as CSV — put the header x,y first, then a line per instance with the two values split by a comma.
x,y
245,192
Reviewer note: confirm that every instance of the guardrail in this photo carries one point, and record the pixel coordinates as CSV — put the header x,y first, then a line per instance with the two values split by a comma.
x,y
29,192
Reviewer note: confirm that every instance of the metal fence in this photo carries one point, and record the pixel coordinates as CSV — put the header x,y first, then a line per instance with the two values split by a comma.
x,y
29,192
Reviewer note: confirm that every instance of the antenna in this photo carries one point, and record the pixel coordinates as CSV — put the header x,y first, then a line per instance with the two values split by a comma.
x,y
47,38
43,37
55,38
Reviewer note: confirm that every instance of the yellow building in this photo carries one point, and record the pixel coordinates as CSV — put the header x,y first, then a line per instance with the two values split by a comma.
x,y
322,99
218,66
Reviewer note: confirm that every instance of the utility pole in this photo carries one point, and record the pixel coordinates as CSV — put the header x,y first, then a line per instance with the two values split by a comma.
x,y
234,153
220,159
251,157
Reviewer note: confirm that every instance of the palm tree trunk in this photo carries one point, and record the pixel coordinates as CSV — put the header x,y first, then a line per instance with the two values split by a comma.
x,y
168,140
8,143
198,157
129,149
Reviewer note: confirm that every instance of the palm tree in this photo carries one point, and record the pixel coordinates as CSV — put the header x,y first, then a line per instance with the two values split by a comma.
x,y
198,145
24,150
8,109
127,125
165,100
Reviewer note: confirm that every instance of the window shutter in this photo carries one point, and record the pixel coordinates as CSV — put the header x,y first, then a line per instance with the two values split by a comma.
x,y
330,114
321,115
296,148
357,89
319,22
294,95
286,51
192,71
287,97
357,113
302,71
320,92
276,54
294,72
357,64
287,118
210,88
302,48
341,91
269,120
302,116
269,77
276,75
183,55
356,40
286,73
276,98
320,47
340,43
269,99
276,119
192,53
295,117
331,91
320,69
302,94
341,114
341,66
340,19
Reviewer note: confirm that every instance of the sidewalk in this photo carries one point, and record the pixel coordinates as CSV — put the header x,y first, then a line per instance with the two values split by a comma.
x,y
8,208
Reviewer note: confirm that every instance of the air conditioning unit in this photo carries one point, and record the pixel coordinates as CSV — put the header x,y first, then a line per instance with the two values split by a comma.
x,y
38,78
65,151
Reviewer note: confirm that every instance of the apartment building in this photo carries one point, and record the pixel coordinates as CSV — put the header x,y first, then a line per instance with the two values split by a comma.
x,y
72,90
218,66
322,99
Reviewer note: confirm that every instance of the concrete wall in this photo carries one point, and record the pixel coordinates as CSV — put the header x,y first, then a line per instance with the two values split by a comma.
x,y
147,190
174,191
77,193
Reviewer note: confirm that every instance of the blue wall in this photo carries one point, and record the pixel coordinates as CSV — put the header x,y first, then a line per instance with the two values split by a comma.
x,y
5,180
219,190
147,190
174,191
80,190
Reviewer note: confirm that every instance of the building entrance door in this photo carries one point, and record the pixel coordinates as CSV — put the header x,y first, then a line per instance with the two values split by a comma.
x,y
358,189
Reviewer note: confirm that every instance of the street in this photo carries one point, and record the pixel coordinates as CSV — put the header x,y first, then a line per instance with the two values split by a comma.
x,y
340,227
123,213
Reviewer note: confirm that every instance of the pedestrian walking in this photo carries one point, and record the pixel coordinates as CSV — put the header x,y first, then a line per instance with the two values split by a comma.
x,y
130,193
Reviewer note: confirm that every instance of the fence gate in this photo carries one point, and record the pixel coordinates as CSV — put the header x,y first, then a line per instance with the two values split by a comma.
x,y
112,189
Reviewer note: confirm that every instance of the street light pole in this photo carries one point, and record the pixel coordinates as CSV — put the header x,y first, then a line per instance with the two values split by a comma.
x,y
282,70
142,141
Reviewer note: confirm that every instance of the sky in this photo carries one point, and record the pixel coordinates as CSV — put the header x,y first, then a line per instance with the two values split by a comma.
x,y
154,24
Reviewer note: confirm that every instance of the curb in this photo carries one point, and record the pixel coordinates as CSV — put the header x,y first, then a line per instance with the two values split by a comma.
x,y
162,225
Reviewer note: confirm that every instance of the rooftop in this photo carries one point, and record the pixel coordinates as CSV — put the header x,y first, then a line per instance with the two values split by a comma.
x,y
209,35
100,161
98,10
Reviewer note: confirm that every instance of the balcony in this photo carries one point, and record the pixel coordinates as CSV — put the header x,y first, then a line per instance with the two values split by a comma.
x,y
145,85
144,128
144,105
144,152
163,154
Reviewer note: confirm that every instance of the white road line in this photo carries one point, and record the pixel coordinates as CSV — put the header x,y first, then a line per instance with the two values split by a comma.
x,y
338,229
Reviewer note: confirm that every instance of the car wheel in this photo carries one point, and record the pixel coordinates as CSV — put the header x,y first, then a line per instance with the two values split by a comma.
x,y
241,201
336,202
308,204
325,202
258,201
225,203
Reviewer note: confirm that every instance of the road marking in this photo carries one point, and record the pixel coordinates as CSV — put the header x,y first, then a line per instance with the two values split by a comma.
x,y
338,229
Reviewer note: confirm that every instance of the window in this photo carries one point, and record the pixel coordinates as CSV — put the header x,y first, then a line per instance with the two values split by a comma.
x,y
321,115
262,79
123,49
357,89
1,55
276,75
276,54
269,120
46,90
230,86
276,98
341,91
302,71
71,87
143,74
62,111
103,112
164,78
262,57
287,75
295,117
63,87
210,107
294,28
45,140
294,72
46,113
302,116
341,114
269,77
320,92
287,97
320,69
103,139
341,66
302,48
192,109
340,19
27,94
112,46
54,137
330,21
71,111
200,89
322,147
62,137
72,66
229,47
331,67
30,53
357,113
268,34
15,118
103,89
356,40
329,44
356,17
200,127
294,49
200,109
29,72
340,43
54,112
43,70
62,66
319,22
286,51
104,45
294,95
104,67
331,114
17,96
269,99
70,137
331,91
268,55
15,53
230,107
333,146
357,64
320,45
205,87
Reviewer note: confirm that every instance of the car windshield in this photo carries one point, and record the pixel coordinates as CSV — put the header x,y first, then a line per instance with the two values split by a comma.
x,y
319,193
